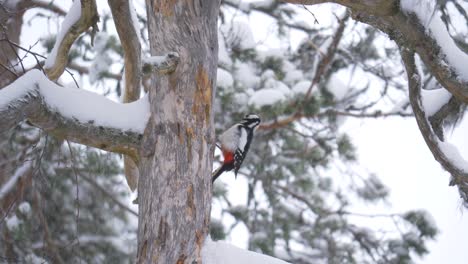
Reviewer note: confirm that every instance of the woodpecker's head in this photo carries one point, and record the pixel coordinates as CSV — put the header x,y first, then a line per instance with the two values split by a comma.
x,y
251,120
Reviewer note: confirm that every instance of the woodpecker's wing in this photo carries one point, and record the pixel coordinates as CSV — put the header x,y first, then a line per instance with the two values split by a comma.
x,y
242,148
229,139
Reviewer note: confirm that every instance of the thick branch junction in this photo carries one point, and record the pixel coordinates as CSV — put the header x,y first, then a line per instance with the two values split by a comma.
x,y
31,98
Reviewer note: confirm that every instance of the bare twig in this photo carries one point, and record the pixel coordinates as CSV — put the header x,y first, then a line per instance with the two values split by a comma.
x,y
107,194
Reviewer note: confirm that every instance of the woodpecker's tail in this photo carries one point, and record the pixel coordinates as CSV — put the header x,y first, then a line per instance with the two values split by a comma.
x,y
220,170
217,173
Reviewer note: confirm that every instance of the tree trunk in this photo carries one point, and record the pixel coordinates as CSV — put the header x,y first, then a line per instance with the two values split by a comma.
x,y
177,151
11,18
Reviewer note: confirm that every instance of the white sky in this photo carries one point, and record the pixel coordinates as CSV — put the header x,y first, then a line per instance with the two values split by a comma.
x,y
394,149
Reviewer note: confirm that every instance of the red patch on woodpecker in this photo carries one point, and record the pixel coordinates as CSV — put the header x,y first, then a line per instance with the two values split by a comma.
x,y
228,156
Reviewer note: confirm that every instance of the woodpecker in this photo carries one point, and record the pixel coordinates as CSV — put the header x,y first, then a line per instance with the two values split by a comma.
x,y
235,143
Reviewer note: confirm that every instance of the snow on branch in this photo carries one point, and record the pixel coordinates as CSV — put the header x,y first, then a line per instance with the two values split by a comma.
x,y
445,153
423,32
21,171
161,64
81,16
221,252
73,114
417,26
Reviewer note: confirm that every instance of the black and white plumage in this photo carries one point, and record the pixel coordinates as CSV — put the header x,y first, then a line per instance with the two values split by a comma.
x,y
235,143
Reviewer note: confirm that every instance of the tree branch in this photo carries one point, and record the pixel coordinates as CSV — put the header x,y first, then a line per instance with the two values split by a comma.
x,y
96,185
446,154
72,27
129,38
374,7
128,35
102,124
50,6
407,31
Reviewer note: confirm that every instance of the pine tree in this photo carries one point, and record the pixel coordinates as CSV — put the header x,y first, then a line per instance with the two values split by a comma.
x,y
69,203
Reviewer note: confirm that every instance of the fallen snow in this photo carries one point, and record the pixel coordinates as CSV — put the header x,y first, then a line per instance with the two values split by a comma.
x,y
85,106
71,18
426,13
220,252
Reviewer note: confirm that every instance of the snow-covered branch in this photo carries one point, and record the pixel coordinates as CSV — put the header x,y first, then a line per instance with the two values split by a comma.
x,y
59,110
424,32
445,153
418,26
23,170
81,16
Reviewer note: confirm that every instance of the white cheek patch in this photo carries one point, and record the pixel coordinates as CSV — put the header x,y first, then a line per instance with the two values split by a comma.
x,y
253,125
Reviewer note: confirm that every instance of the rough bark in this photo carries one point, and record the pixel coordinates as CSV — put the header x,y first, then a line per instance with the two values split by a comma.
x,y
176,157
11,19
